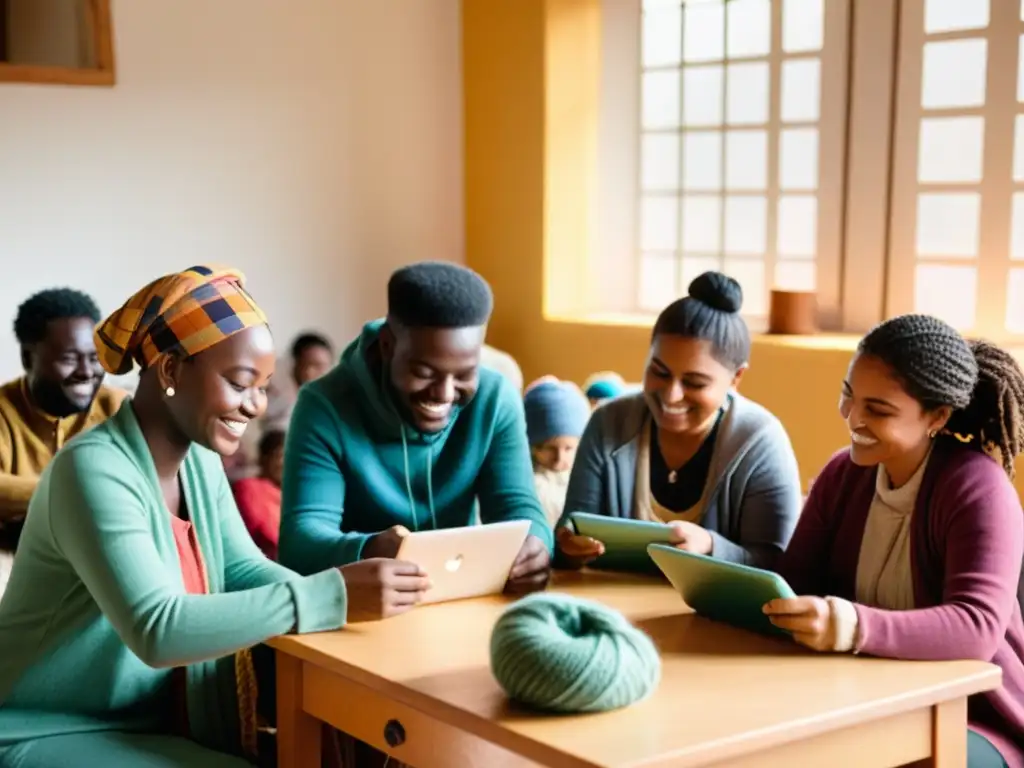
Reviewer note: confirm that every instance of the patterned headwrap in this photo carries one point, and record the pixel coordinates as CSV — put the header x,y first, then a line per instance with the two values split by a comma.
x,y
185,313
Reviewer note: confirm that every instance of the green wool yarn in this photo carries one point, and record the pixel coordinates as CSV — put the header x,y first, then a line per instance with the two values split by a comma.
x,y
559,653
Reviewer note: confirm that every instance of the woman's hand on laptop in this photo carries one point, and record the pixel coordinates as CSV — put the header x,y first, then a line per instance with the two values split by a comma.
x,y
382,587
578,550
691,537
531,569
386,543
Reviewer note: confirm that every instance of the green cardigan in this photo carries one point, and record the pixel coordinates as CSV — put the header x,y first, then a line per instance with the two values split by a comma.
x,y
95,614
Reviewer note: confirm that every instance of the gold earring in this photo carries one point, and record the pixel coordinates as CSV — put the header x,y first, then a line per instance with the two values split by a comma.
x,y
932,434
169,391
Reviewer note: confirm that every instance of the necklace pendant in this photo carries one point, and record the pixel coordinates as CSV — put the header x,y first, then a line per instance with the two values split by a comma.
x,y
672,476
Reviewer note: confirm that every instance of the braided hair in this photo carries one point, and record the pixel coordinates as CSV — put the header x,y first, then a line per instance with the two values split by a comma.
x,y
981,382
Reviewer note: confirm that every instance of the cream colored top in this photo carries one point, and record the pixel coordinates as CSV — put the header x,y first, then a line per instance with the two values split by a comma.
x,y
647,507
884,575
884,578
551,490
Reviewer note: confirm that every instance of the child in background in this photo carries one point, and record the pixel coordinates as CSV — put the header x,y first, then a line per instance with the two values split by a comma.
x,y
556,415
602,386
259,498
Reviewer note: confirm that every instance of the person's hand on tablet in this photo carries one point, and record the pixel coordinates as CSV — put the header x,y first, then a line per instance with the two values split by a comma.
x,y
531,569
808,618
690,537
578,550
386,543
382,587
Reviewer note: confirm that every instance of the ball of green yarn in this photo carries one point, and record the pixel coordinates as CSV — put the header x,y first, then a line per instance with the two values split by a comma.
x,y
562,654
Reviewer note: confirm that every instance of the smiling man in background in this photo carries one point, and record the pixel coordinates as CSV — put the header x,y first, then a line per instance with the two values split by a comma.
x,y
408,433
60,395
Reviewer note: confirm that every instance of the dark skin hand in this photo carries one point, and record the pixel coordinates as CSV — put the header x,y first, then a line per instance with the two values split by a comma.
x,y
531,570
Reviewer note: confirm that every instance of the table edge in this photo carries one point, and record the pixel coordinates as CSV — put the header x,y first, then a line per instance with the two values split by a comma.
x,y
987,676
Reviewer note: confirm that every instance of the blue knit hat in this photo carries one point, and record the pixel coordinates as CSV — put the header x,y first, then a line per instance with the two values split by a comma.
x,y
555,409
604,385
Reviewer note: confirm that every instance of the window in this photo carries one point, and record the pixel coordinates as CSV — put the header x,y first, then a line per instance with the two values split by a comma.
x,y
741,146
957,217
66,42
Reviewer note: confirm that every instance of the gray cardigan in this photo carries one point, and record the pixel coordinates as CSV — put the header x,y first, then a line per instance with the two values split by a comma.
x,y
752,498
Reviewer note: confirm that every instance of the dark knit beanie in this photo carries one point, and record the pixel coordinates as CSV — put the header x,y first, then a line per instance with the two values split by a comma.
x,y
555,409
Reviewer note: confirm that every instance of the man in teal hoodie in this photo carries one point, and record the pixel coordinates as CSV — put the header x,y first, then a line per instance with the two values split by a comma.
x,y
408,432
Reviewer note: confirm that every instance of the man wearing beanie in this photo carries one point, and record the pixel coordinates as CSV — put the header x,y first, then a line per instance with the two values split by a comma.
x,y
556,414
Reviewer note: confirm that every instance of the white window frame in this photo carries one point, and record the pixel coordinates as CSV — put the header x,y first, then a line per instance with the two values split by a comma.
x,y
865,267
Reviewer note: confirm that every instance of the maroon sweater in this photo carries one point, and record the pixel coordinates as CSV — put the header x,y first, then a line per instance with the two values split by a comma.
x,y
967,544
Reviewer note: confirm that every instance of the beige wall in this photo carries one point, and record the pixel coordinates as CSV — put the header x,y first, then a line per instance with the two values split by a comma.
x,y
316,145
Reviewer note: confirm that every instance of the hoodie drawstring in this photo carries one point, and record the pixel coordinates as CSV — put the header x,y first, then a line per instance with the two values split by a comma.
x,y
408,484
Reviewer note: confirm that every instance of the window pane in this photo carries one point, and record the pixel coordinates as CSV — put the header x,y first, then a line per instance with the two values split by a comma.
x,y
749,273
803,25
1018,148
745,225
695,266
702,224
947,224
746,160
704,31
661,99
749,28
1015,301
654,5
1020,69
702,160
798,158
662,36
795,275
657,281
702,96
1017,227
659,161
659,223
801,90
954,73
950,149
797,226
953,15
748,91
947,292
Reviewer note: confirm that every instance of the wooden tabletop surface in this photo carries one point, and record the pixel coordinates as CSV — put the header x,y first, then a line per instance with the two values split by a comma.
x,y
723,691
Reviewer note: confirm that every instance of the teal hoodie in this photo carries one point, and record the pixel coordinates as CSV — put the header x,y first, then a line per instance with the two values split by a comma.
x,y
354,467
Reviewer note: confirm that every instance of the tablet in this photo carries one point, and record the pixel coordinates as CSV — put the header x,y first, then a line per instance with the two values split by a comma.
x,y
465,562
625,541
727,592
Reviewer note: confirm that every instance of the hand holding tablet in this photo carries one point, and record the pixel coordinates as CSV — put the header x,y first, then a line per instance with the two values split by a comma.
x,y
728,592
613,542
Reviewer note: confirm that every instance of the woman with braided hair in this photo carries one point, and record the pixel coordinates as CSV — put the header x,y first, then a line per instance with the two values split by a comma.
x,y
136,592
911,540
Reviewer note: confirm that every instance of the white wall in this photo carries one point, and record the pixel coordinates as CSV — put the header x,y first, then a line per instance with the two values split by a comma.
x,y
315,144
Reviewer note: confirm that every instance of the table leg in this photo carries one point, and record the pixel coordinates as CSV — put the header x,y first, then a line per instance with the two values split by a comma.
x,y
298,734
949,734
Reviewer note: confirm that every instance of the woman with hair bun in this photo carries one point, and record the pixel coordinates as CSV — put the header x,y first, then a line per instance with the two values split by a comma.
x,y
689,450
910,543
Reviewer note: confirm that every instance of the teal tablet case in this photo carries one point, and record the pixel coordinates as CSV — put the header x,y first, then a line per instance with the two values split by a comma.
x,y
625,541
727,592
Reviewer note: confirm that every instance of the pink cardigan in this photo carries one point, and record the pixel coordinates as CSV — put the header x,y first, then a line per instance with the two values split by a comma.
x,y
967,545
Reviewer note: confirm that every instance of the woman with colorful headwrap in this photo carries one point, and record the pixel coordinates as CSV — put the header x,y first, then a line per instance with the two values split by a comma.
x,y
137,590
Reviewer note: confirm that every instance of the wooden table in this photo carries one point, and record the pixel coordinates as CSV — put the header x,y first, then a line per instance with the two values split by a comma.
x,y
419,687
